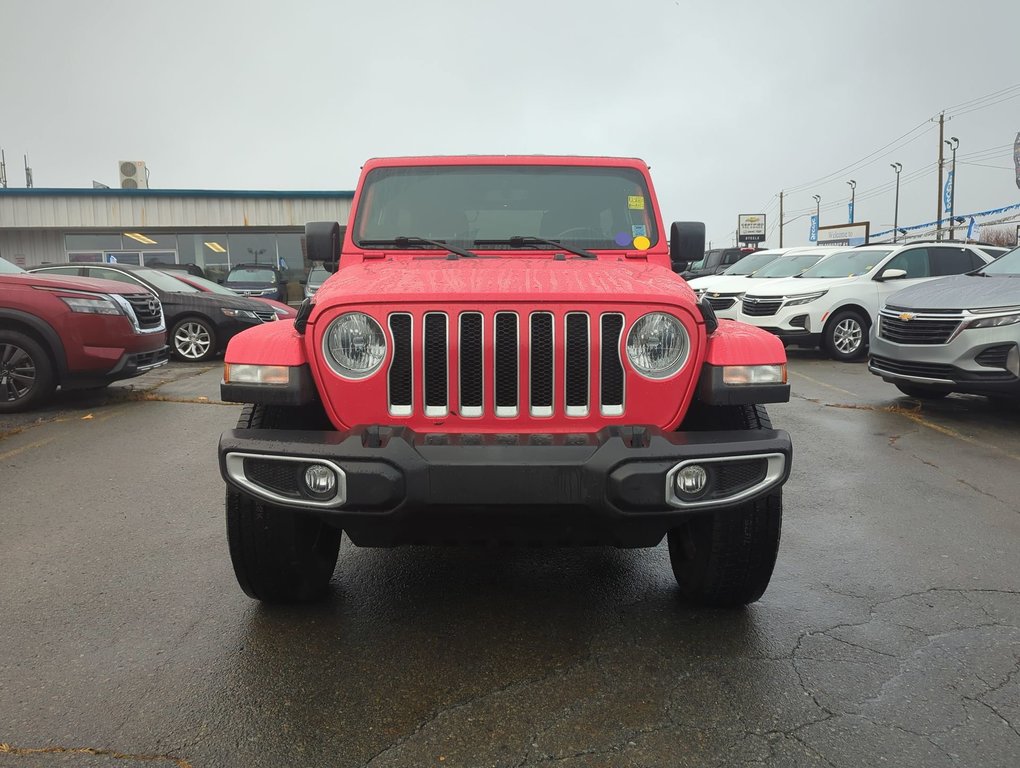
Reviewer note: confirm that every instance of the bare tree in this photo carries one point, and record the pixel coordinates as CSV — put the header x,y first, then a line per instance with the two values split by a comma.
x,y
1004,236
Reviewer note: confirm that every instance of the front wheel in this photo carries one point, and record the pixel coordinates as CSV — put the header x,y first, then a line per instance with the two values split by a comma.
x,y
26,373
846,335
193,339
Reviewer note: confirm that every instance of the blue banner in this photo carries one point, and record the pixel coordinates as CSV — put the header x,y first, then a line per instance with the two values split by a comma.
x,y
813,233
850,210
947,194
930,224
1016,158
971,228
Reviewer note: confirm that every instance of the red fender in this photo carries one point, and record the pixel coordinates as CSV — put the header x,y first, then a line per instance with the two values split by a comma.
x,y
736,343
269,344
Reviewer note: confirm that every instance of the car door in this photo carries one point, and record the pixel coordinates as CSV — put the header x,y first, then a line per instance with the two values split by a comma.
x,y
916,262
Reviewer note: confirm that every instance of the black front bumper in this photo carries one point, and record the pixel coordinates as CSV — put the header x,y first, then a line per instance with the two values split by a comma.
x,y
131,364
608,487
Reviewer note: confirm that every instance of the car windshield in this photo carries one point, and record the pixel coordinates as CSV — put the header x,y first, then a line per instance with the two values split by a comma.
x,y
208,285
6,268
1007,265
851,263
251,275
751,263
163,281
483,207
317,275
788,266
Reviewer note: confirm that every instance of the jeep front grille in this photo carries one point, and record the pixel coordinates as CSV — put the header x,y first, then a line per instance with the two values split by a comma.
x,y
521,348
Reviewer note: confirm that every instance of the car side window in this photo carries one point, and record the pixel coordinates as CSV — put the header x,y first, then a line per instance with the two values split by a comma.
x,y
914,262
111,274
951,261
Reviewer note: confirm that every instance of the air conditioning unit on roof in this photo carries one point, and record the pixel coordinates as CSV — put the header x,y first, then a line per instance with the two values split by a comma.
x,y
132,175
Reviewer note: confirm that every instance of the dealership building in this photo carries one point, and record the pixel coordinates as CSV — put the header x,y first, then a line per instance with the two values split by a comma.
x,y
214,229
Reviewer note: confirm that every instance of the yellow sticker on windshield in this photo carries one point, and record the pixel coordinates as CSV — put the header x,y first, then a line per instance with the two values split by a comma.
x,y
642,243
636,202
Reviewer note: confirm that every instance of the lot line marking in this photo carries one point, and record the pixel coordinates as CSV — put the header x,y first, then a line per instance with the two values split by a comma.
x,y
11,454
823,384
8,749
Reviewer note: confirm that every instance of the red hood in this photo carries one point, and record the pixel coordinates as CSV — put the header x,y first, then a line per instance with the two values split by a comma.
x,y
503,280
67,283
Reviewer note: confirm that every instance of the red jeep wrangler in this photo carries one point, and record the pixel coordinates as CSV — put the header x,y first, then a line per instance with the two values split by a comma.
x,y
504,355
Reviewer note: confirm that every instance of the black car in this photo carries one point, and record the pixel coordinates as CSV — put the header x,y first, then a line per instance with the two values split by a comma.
x,y
262,280
199,324
716,260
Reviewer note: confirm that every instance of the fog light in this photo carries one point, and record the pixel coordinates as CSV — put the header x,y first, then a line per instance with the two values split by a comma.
x,y
320,480
691,480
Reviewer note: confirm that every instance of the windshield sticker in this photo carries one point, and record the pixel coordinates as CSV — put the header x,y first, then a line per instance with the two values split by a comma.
x,y
623,239
636,202
642,243
638,230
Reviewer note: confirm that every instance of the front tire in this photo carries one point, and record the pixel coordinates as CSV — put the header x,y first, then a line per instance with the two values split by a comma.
x,y
26,373
279,555
193,340
725,559
846,335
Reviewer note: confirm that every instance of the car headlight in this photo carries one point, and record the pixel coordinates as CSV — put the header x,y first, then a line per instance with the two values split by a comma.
x,y
240,314
994,322
657,345
804,298
355,345
94,306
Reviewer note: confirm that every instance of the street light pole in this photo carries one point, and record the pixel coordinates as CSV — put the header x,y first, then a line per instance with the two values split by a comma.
x,y
853,191
818,214
897,167
953,144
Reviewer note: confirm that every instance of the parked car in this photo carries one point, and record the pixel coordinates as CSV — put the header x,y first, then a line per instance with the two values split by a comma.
x,y
316,277
834,303
715,261
190,269
72,333
724,291
956,334
257,281
200,323
282,310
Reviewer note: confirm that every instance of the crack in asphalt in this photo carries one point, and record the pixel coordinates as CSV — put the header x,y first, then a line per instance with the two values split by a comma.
x,y
9,749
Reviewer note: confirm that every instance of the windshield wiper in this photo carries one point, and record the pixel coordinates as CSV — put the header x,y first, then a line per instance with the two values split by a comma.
x,y
517,241
411,241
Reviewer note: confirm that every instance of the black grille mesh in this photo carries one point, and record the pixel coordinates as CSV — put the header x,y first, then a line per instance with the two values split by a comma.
x,y
761,307
612,369
916,331
735,476
922,370
400,368
141,303
506,360
279,476
542,360
577,360
471,360
994,357
435,360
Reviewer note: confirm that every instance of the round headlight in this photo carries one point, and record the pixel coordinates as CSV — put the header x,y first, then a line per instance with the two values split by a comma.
x,y
355,345
657,345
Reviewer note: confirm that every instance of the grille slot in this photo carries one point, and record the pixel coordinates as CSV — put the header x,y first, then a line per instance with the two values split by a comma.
x,y
611,379
721,302
401,387
542,344
472,375
278,476
265,315
994,357
506,375
754,307
916,331
921,370
147,309
577,366
436,365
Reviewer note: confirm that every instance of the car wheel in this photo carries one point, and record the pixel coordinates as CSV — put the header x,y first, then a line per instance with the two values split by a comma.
x,y
725,559
922,391
846,335
26,372
279,555
193,339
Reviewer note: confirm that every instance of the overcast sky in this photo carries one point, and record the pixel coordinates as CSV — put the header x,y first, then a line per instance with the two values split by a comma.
x,y
729,102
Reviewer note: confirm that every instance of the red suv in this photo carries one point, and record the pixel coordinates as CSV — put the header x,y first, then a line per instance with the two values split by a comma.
x,y
72,332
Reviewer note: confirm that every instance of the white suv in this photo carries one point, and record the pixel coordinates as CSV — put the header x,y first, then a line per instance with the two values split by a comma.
x,y
834,303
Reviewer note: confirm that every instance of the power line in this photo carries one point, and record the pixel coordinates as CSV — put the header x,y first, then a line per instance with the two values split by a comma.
x,y
986,106
986,97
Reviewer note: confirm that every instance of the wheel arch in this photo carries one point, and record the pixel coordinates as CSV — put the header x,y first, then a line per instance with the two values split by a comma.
x,y
853,307
40,331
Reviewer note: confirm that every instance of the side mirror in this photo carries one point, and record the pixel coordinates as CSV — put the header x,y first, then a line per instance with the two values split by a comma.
x,y
686,243
892,274
323,240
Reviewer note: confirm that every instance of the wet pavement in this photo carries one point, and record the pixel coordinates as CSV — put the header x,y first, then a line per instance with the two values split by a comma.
x,y
890,634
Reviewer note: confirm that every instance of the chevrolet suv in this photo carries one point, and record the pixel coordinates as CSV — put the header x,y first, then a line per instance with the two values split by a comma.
x,y
957,334
73,333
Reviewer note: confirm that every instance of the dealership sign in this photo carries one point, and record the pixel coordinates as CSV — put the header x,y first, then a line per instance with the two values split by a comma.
x,y
845,234
751,227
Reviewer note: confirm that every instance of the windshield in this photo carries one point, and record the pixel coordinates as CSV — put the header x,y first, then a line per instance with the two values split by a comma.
x,y
6,268
1005,265
751,263
788,266
251,275
317,276
483,207
208,285
846,264
163,281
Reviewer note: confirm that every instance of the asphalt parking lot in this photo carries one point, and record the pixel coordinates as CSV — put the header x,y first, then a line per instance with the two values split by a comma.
x,y
890,634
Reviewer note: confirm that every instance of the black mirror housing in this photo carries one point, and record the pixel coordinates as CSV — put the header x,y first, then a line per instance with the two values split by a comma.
x,y
686,243
323,241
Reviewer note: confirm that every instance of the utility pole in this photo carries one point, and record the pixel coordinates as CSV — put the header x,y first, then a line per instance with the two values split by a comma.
x,y
953,144
3,170
938,197
780,218
28,174
897,167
